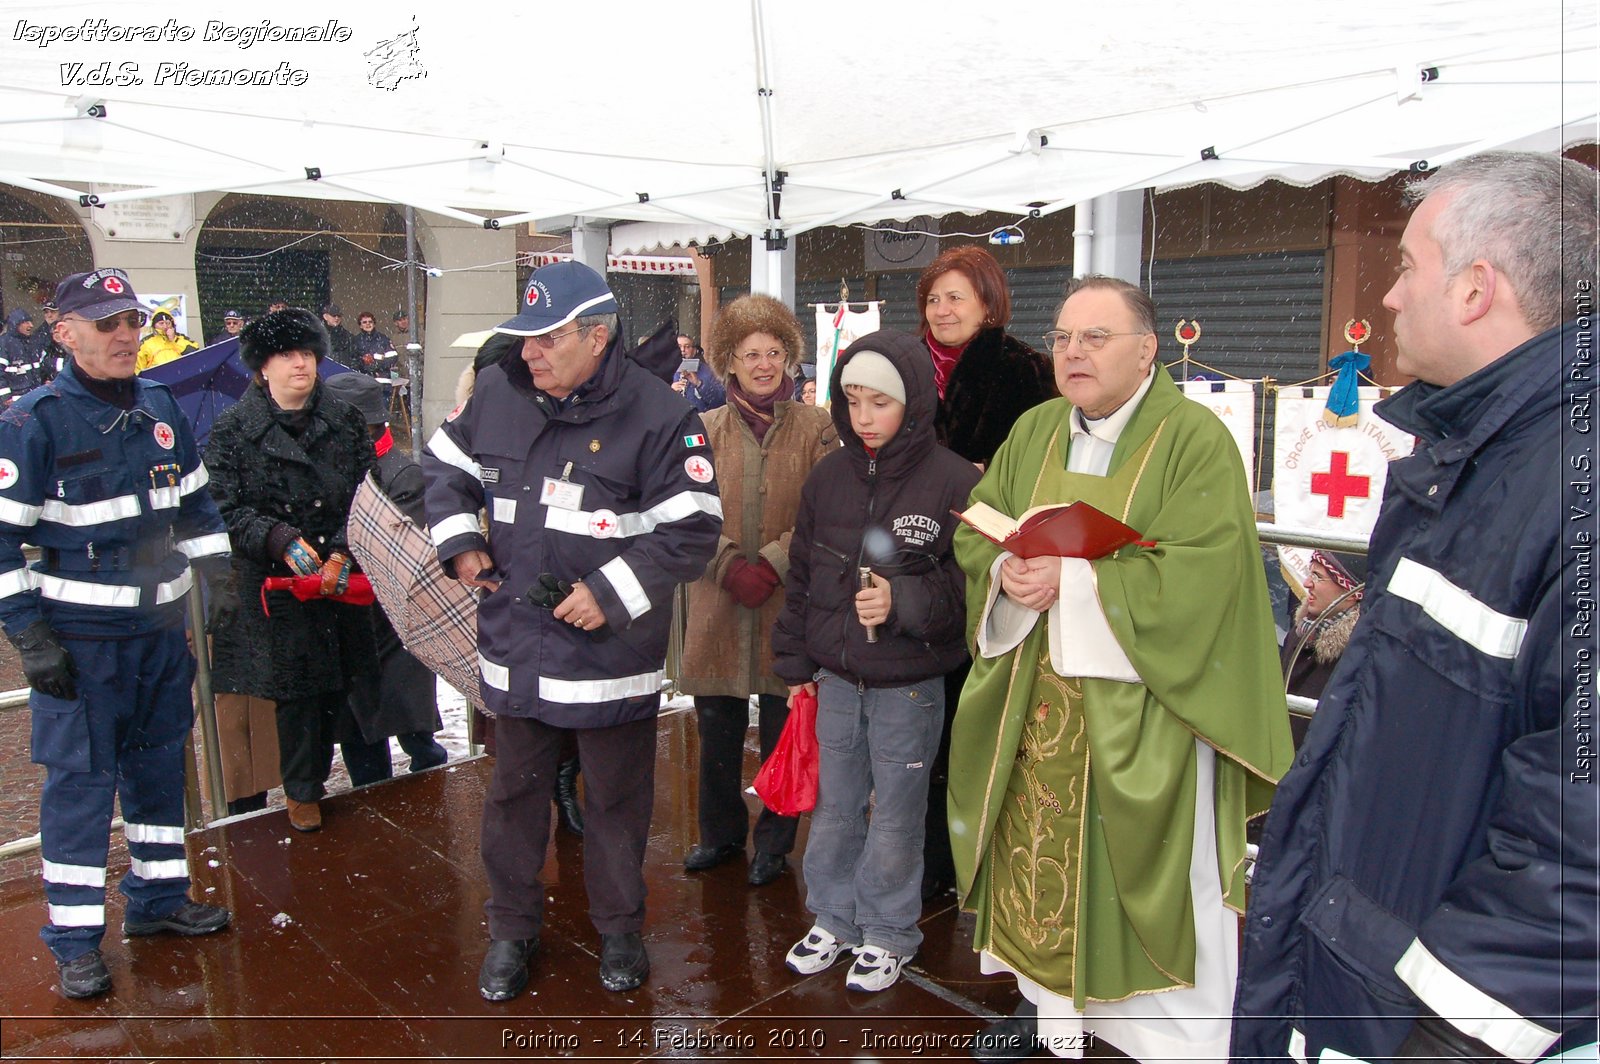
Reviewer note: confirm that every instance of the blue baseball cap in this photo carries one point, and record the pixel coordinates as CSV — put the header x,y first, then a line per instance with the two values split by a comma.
x,y
96,295
557,294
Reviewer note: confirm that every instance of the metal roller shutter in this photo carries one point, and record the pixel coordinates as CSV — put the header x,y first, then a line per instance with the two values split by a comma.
x,y
1260,315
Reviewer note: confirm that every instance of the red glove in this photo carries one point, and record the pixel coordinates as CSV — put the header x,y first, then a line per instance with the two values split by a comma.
x,y
749,583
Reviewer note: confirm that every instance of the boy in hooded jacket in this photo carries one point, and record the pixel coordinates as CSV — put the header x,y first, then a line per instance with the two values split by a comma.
x,y
875,656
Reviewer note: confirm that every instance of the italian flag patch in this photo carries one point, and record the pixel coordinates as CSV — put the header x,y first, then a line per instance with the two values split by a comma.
x,y
696,440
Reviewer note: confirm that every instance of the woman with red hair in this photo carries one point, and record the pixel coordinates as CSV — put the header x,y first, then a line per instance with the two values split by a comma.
x,y
986,379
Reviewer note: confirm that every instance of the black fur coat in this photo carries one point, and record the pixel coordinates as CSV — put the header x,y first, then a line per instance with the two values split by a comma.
x,y
997,379
261,476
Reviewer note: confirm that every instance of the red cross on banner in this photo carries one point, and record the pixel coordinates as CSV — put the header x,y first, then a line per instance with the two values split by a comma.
x,y
1339,484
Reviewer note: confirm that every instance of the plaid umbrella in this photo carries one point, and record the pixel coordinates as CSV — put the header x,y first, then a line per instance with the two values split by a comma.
x,y
435,616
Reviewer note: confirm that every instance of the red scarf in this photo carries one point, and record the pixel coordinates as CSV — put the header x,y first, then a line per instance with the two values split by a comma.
x,y
944,360
757,411
384,443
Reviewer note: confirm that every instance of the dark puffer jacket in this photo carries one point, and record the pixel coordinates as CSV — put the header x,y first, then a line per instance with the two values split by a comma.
x,y
1434,844
891,511
996,381
262,476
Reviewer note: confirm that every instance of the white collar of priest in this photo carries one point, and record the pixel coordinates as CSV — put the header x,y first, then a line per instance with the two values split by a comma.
x,y
1109,428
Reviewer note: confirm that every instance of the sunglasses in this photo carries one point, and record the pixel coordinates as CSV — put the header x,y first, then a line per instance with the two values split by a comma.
x,y
133,319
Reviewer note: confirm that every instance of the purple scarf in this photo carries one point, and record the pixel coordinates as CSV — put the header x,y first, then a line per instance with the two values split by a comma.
x,y
758,411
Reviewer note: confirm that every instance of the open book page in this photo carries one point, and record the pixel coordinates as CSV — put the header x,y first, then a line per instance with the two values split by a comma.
x,y
1034,511
991,522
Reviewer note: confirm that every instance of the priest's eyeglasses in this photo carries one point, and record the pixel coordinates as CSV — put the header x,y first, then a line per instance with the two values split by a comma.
x,y
1057,340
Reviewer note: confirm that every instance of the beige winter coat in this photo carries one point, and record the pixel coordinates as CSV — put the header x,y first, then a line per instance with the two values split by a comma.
x,y
728,649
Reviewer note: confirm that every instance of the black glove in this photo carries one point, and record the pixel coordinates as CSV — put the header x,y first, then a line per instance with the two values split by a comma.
x,y
222,593
45,662
1433,1038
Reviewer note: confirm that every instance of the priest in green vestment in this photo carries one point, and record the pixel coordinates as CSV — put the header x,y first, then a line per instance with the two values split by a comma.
x,y
1125,716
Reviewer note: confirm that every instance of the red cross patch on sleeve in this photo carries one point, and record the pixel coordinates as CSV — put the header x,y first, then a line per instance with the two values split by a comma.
x,y
699,469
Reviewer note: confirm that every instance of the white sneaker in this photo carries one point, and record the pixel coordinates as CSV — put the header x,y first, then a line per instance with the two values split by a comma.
x,y
875,968
814,953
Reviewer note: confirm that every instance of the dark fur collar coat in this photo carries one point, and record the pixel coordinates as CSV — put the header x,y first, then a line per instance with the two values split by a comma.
x,y
997,379
262,476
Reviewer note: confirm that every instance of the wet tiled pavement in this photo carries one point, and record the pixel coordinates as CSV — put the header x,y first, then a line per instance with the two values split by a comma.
x,y
363,941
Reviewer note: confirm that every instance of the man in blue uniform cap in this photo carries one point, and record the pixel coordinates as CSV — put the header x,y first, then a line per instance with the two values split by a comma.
x,y
601,498
99,470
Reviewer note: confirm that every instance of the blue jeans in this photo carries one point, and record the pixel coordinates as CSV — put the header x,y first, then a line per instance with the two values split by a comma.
x,y
864,875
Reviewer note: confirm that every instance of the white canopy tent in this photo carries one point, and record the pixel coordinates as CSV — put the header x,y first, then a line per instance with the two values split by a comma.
x,y
745,117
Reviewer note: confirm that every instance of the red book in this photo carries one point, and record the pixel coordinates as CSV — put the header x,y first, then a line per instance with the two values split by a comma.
x,y
1074,530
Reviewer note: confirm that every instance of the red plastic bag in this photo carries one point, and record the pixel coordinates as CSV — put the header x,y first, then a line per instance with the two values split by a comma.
x,y
787,783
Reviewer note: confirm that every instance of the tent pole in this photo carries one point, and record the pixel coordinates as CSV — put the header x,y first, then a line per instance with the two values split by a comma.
x,y
1082,238
413,349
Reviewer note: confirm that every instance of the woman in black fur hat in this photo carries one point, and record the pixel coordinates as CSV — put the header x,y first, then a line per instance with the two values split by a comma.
x,y
285,462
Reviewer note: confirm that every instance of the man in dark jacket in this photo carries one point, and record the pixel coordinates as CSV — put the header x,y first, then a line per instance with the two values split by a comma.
x,y
341,342
22,350
601,498
375,349
1427,885
232,326
401,699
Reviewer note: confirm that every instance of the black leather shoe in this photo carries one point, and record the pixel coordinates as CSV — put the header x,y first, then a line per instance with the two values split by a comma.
x,y
504,973
765,867
702,858
85,976
623,961
191,918
570,812
1013,1038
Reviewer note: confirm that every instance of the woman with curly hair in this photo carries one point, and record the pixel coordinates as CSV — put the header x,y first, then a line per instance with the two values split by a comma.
x,y
764,442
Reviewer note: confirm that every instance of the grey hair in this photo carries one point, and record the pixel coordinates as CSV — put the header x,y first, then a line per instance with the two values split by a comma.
x,y
1531,215
589,321
1138,301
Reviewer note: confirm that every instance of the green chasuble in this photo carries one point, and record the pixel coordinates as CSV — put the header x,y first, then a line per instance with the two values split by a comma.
x,y
1072,799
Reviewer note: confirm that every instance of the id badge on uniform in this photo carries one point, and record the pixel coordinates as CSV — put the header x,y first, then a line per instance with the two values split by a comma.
x,y
562,494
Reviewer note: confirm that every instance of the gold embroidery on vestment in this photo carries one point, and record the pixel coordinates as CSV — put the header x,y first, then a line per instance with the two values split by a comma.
x,y
1036,879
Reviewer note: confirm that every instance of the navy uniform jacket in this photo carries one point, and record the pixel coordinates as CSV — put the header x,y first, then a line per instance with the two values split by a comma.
x,y
116,502
1435,842
648,520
